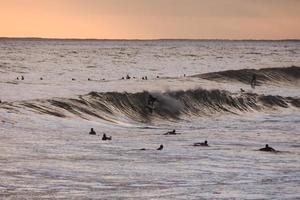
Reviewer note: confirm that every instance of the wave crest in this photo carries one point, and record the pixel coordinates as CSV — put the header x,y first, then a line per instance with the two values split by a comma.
x,y
132,107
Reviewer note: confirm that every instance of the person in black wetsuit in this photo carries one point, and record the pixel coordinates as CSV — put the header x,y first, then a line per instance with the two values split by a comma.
x,y
267,148
92,132
151,100
160,147
172,133
104,137
204,144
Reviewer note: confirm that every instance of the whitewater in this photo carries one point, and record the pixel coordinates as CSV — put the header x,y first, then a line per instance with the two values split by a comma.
x,y
53,92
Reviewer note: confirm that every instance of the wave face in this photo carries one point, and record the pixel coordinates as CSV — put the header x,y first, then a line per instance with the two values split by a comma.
x,y
124,107
285,74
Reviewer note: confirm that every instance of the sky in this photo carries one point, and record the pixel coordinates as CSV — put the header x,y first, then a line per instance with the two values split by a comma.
x,y
151,19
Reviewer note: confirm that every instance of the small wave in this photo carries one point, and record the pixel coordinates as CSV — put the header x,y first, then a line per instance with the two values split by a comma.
x,y
284,74
132,107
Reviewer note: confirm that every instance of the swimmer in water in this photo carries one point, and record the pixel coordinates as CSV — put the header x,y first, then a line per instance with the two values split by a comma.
x,y
160,147
267,148
92,132
203,144
104,137
172,133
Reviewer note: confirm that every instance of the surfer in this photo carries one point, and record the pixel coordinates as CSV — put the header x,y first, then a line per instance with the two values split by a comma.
x,y
204,144
160,147
253,81
171,133
128,77
104,137
267,148
92,132
242,90
151,100
22,77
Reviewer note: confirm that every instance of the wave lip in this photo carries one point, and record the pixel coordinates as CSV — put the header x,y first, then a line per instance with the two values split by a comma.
x,y
125,107
283,74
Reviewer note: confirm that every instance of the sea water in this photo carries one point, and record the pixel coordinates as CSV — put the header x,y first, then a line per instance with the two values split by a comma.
x,y
71,86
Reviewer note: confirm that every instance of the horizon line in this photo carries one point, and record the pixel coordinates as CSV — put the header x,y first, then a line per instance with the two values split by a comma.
x,y
147,39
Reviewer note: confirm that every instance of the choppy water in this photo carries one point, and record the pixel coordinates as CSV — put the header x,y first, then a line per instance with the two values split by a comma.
x,y
46,152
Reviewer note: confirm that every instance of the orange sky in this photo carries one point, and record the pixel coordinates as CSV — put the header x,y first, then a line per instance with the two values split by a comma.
x,y
151,19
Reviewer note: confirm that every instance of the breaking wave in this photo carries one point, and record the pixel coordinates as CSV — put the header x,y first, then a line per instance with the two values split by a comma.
x,y
132,107
284,74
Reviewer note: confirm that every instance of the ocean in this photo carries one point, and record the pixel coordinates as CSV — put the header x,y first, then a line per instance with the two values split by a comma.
x,y
53,92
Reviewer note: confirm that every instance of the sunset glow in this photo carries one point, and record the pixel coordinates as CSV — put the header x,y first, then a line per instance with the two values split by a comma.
x,y
151,19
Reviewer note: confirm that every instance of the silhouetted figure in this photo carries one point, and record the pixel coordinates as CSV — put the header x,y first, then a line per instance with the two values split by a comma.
x,y
17,78
143,78
173,132
122,78
128,77
160,147
253,81
146,78
22,77
92,132
41,78
184,75
157,76
89,79
204,144
73,79
267,148
242,90
104,137
151,100
0,101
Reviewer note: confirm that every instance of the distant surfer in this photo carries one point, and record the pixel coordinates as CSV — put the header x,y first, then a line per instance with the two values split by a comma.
x,y
204,144
128,77
267,148
253,81
160,147
173,132
92,132
22,77
104,137
242,90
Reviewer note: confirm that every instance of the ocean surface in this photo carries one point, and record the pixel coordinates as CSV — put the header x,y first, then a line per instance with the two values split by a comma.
x,y
53,92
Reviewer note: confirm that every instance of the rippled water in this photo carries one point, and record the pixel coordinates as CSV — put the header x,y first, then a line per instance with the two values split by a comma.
x,y
46,152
